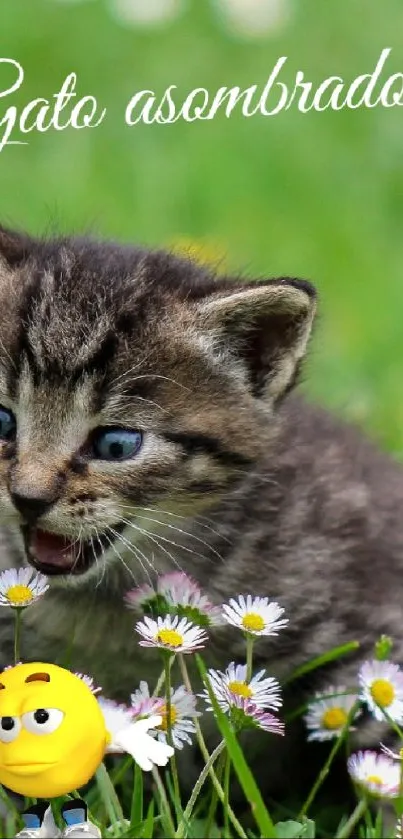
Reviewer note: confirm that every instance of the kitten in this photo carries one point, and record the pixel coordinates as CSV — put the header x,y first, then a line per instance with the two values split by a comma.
x,y
146,422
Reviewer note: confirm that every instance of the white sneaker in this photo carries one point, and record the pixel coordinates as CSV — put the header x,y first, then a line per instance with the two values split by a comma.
x,y
83,829
39,823
74,813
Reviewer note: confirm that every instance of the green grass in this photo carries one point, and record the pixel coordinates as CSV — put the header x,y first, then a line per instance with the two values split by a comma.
x,y
316,195
122,803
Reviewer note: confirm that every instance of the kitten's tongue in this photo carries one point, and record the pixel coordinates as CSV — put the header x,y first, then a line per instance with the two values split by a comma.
x,y
52,549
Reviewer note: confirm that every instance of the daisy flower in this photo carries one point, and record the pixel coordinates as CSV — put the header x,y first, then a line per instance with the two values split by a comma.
x,y
183,709
245,714
144,704
375,773
171,633
241,708
381,684
255,615
264,693
327,716
183,593
89,681
140,597
21,587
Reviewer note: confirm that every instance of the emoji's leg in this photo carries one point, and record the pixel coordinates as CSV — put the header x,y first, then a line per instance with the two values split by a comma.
x,y
75,814
39,822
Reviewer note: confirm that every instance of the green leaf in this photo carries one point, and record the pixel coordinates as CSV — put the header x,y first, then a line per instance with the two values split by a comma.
x,y
295,830
246,779
148,826
289,830
136,814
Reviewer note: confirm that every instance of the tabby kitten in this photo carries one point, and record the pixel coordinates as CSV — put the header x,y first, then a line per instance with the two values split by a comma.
x,y
145,422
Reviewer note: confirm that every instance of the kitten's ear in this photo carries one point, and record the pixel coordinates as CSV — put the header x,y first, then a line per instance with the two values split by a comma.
x,y
267,325
14,246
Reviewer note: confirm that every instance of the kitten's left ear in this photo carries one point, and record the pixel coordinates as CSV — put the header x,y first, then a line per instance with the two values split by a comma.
x,y
266,325
14,246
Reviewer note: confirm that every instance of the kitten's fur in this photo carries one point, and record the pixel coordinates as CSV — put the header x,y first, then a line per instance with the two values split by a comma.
x,y
246,488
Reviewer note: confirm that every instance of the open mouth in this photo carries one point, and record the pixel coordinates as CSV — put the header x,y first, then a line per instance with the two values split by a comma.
x,y
54,554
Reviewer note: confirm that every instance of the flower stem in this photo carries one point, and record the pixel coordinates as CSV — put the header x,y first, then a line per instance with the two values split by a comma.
x,y
227,775
350,824
214,798
205,752
196,790
167,666
17,635
325,770
164,800
249,656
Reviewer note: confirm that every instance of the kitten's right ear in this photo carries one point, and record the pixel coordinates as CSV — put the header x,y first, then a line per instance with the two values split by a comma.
x,y
14,247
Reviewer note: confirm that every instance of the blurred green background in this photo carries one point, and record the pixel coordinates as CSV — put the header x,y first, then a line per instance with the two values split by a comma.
x,y
317,195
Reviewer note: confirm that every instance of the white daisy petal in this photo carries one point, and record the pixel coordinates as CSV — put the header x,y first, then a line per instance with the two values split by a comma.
x,y
257,616
20,587
143,703
139,597
264,693
183,711
375,773
182,593
171,633
89,681
327,715
381,688
245,714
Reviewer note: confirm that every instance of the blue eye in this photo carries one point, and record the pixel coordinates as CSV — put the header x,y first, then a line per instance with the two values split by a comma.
x,y
8,424
116,443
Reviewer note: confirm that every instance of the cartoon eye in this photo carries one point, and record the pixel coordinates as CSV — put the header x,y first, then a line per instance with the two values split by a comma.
x,y
10,728
43,720
116,443
8,424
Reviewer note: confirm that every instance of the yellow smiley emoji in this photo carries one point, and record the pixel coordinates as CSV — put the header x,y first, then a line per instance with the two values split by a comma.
x,y
52,731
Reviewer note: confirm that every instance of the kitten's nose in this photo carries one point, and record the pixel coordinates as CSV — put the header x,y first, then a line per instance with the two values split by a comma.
x,y
32,505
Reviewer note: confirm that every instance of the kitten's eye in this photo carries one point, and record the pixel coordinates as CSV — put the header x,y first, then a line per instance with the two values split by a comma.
x,y
8,424
116,443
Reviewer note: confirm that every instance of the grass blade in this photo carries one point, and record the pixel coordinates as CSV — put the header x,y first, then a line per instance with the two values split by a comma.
x,y
319,661
136,814
246,779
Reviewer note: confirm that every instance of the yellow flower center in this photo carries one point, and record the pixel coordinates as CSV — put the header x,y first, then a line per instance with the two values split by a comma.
x,y
253,622
169,637
382,692
240,689
374,779
19,595
334,718
164,715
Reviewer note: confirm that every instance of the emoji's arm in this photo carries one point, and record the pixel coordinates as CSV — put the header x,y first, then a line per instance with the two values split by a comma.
x,y
134,739
143,748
